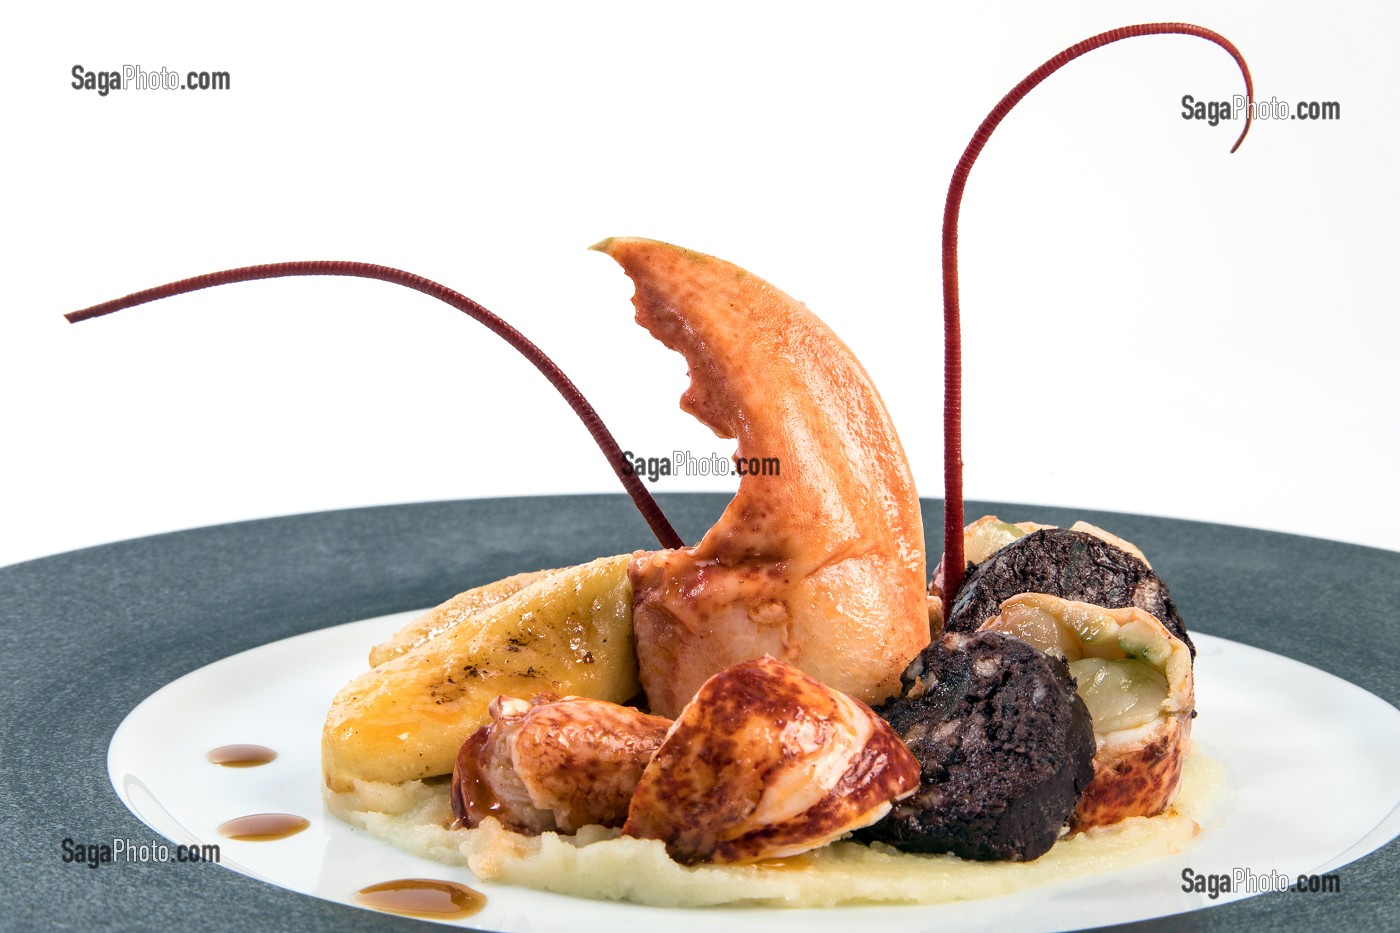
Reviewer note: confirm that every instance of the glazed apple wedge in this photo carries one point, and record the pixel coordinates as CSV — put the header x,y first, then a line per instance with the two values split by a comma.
x,y
449,615
1135,677
568,632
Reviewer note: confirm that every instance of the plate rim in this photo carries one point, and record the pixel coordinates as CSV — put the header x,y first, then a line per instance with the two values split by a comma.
x,y
104,606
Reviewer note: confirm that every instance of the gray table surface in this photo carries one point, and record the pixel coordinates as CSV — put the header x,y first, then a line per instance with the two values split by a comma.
x,y
85,636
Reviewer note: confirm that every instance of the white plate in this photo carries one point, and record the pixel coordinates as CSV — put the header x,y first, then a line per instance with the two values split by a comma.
x,y
1310,762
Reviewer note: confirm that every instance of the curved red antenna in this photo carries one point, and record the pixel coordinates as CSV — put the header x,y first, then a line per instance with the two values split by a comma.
x,y
954,562
585,411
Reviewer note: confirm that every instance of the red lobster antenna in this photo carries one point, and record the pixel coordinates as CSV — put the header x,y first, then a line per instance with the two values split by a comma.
x,y
586,412
954,562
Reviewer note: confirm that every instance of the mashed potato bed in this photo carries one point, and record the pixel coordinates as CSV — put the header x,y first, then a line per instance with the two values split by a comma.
x,y
599,863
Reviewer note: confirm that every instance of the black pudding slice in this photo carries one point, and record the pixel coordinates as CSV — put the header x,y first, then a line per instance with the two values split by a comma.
x,y
1005,746
1067,564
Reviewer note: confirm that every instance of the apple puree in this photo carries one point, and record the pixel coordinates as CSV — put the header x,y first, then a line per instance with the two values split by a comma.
x,y
597,863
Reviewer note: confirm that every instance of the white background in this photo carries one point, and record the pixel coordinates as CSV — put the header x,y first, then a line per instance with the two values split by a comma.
x,y
1150,324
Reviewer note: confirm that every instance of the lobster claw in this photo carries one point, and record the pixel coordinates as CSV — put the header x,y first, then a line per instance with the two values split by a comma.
x,y
818,560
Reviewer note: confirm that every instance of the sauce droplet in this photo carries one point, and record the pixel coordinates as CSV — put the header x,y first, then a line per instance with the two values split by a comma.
x,y
263,827
422,897
241,756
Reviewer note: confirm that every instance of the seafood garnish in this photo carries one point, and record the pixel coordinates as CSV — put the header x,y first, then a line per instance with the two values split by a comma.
x,y
953,557
766,762
548,764
822,565
1135,677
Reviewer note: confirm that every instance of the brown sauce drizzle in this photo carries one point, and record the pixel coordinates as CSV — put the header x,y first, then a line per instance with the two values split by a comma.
x,y
263,827
241,756
422,897
471,797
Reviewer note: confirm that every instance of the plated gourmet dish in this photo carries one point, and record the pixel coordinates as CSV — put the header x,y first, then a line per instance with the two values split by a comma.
x,y
789,710
789,681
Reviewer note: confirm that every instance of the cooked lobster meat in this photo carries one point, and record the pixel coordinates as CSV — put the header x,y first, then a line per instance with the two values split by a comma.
x,y
766,762
550,764
821,565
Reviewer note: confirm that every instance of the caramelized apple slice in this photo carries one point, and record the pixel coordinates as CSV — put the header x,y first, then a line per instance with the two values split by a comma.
x,y
569,632
447,616
1135,678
